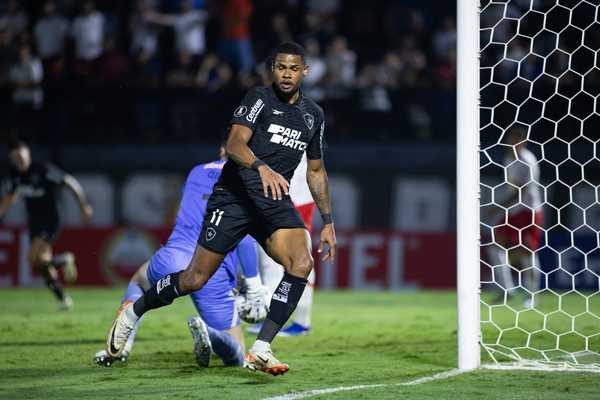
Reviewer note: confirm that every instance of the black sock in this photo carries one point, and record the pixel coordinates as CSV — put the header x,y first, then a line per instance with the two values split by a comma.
x,y
283,303
162,294
54,285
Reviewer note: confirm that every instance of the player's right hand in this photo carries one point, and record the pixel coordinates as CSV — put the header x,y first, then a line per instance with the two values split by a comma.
x,y
274,182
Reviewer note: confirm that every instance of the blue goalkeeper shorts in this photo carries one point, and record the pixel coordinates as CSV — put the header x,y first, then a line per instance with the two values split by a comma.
x,y
215,302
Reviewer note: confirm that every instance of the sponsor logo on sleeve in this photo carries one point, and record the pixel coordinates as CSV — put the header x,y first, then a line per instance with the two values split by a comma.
x,y
255,111
240,111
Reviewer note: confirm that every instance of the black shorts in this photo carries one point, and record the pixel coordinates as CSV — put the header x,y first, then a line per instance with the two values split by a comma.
x,y
232,215
47,230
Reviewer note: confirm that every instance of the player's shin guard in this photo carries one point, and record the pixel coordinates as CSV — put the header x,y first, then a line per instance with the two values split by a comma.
x,y
283,303
163,294
226,347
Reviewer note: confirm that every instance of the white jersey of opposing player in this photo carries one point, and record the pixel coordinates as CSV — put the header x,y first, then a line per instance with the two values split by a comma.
x,y
524,172
299,191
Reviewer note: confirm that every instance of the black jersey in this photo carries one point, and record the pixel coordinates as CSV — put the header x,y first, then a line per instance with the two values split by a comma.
x,y
39,188
282,132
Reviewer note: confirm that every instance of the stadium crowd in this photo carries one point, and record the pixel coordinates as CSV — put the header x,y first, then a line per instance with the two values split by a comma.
x,y
372,57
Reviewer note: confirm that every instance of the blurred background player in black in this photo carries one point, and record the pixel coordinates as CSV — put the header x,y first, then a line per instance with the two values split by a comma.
x,y
38,183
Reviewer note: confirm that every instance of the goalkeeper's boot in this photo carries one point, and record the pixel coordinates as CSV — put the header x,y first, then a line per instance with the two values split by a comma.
x,y
103,359
69,268
295,329
202,344
264,361
121,329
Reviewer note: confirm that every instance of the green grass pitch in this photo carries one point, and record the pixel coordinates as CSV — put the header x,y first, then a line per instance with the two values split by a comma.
x,y
358,338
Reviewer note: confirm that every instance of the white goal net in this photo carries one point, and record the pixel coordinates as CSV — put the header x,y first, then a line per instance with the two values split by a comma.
x,y
539,182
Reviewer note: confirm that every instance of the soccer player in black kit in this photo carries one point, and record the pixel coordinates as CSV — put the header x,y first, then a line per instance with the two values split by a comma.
x,y
38,183
271,129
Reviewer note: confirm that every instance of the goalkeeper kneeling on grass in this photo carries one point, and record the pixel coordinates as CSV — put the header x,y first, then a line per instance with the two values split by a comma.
x,y
217,328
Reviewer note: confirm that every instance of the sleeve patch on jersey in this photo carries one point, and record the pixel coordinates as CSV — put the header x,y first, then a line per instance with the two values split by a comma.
x,y
255,111
240,111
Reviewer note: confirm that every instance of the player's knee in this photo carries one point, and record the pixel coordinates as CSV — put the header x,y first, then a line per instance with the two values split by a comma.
x,y
192,280
303,266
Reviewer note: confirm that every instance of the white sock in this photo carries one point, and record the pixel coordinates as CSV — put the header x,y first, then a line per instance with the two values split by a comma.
x,y
129,345
260,346
504,278
531,280
130,314
304,308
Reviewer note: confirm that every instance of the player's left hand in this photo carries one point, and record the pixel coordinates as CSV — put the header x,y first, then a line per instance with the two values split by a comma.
x,y
328,238
87,212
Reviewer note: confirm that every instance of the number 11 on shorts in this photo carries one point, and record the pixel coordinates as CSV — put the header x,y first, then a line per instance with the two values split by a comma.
x,y
217,214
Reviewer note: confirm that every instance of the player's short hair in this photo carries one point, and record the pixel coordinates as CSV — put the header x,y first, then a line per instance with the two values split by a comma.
x,y
290,48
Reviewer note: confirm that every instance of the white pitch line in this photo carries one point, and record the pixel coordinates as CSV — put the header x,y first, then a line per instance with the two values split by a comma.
x,y
317,392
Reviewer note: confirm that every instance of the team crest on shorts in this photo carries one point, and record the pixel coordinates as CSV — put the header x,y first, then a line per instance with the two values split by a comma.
x,y
240,111
310,120
210,234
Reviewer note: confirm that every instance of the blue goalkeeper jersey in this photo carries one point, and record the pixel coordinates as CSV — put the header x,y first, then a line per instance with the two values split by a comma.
x,y
181,245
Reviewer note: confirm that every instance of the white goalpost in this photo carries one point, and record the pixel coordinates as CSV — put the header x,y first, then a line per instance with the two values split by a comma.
x,y
467,184
528,184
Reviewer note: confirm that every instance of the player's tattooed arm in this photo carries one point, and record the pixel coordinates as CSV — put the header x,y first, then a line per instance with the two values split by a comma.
x,y
237,150
75,187
316,176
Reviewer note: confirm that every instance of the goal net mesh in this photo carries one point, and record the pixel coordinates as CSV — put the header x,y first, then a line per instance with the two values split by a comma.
x,y
539,181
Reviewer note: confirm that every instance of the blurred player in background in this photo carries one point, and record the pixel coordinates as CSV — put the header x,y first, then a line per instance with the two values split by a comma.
x,y
217,328
38,184
272,273
271,130
521,232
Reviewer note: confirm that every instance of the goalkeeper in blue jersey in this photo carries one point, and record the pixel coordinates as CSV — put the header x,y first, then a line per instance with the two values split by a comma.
x,y
217,328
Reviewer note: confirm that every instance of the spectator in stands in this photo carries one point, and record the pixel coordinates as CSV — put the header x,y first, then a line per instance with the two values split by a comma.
x,y
8,55
341,66
373,96
144,43
26,77
323,7
318,69
50,33
214,74
15,20
235,45
414,62
28,97
88,32
113,66
189,25
444,40
390,70
183,74
446,71
281,30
